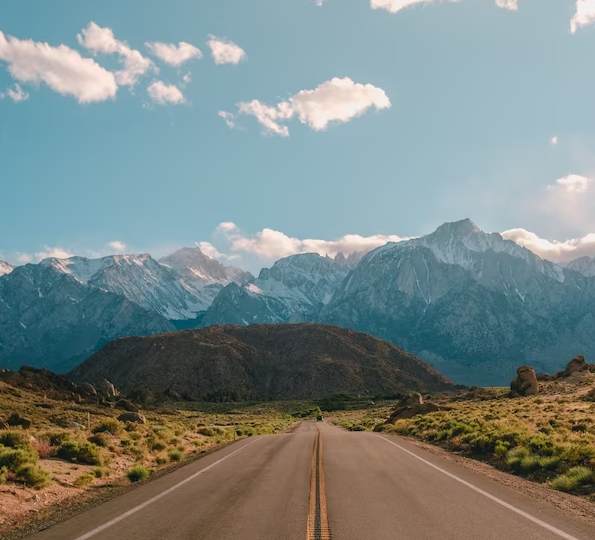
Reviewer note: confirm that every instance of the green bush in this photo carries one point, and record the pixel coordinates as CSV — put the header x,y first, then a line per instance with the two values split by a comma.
x,y
138,473
15,458
14,438
175,455
135,436
573,479
100,472
157,446
161,460
85,452
58,438
34,476
113,426
206,431
3,472
84,480
100,439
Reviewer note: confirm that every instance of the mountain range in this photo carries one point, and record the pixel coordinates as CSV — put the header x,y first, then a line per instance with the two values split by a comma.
x,y
473,304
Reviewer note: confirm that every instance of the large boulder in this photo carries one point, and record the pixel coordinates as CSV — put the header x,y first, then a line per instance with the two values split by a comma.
x,y
106,389
15,419
577,365
525,383
88,389
411,405
132,417
126,405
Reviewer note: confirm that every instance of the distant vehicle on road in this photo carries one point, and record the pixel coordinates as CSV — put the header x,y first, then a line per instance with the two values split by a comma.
x,y
319,418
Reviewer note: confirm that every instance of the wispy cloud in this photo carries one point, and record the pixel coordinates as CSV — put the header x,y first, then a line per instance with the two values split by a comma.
x,y
63,69
102,40
174,55
224,51
337,100
117,247
553,250
17,94
393,6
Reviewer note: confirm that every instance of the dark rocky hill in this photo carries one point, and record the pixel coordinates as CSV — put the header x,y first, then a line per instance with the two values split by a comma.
x,y
259,362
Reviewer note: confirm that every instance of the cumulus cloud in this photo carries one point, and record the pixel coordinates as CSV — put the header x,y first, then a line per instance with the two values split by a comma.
x,y
164,94
174,55
17,94
553,250
272,245
397,5
210,250
53,253
224,51
337,100
585,14
102,40
117,247
573,183
62,69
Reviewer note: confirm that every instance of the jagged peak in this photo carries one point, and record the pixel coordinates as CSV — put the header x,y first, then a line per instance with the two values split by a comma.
x,y
461,228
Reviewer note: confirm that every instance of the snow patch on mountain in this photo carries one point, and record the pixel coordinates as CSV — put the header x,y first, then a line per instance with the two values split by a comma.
x,y
5,268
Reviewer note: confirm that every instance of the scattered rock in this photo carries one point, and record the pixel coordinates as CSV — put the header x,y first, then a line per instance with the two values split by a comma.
x,y
126,405
525,383
545,377
132,417
465,447
75,425
16,419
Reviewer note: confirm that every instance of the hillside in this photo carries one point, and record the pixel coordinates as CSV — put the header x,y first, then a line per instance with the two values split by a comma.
x,y
284,361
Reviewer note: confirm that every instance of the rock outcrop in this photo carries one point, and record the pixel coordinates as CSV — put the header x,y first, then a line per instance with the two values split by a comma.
x,y
577,365
127,405
411,405
525,383
132,417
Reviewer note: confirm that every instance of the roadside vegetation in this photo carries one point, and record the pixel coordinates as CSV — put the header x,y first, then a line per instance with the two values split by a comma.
x,y
548,438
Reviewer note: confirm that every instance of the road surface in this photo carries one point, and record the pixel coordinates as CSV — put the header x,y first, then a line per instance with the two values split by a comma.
x,y
317,483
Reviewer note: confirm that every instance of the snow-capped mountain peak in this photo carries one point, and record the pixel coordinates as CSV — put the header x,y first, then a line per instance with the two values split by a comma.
x,y
5,268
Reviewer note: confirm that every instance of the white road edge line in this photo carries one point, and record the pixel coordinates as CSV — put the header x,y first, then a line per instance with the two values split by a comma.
x,y
163,494
510,507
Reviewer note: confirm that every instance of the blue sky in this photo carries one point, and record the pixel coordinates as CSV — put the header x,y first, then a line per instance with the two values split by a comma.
x,y
382,124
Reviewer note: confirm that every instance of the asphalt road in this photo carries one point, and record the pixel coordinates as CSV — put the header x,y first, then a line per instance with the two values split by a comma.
x,y
317,482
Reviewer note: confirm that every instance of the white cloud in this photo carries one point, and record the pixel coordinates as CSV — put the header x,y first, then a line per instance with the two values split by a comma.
x,y
24,258
337,100
52,252
187,79
573,183
272,245
102,40
224,51
64,70
17,94
397,5
230,119
585,14
553,250
174,55
163,94
210,250
554,140
117,247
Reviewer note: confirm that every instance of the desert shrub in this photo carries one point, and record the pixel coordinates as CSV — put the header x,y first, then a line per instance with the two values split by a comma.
x,y
515,456
357,427
136,436
161,460
3,472
14,438
100,439
111,425
138,473
549,463
100,472
84,480
85,452
573,479
42,447
175,454
206,431
58,438
15,458
542,444
500,450
34,476
157,446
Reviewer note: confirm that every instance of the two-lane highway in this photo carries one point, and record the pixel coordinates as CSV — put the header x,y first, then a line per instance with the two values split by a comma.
x,y
316,482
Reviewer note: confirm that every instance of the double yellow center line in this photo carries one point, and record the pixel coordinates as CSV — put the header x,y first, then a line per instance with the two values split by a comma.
x,y
318,528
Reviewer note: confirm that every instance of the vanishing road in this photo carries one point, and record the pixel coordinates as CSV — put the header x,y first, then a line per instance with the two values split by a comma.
x,y
317,483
